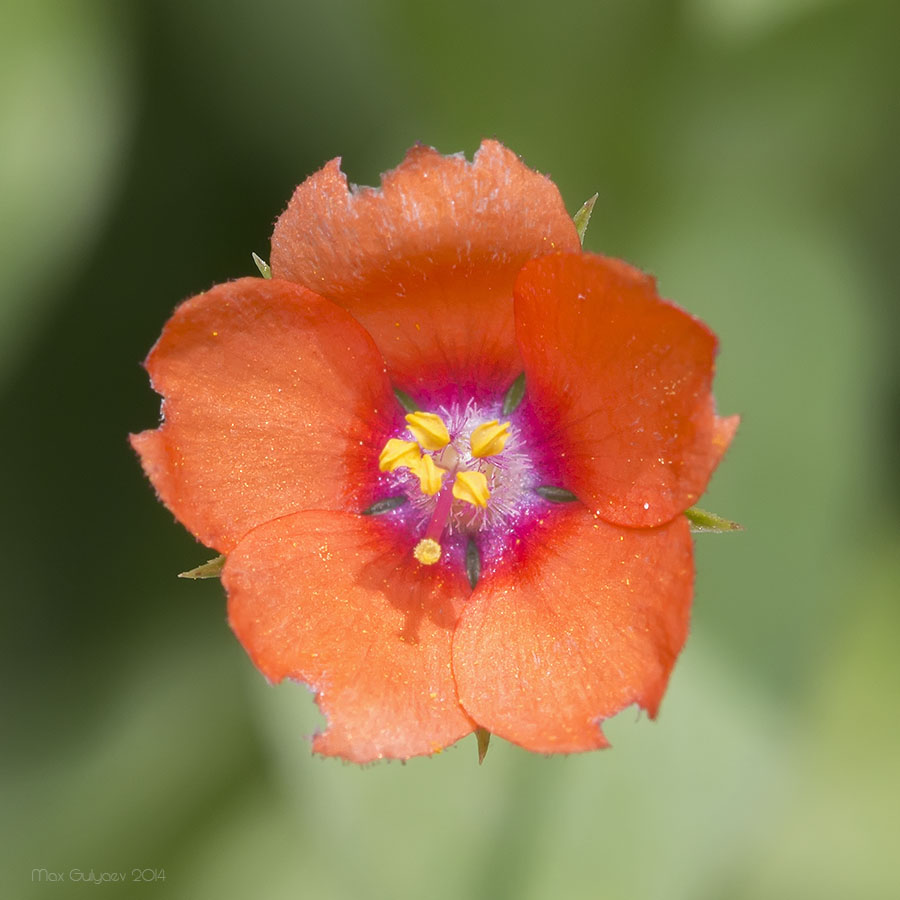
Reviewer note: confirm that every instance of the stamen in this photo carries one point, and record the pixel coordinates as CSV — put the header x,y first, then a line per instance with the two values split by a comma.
x,y
471,487
430,476
398,454
428,430
473,477
490,438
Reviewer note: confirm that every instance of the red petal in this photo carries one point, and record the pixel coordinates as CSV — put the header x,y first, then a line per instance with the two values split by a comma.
x,y
725,429
275,400
621,381
587,622
332,599
427,263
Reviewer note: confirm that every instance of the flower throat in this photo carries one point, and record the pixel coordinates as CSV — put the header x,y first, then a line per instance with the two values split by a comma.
x,y
466,470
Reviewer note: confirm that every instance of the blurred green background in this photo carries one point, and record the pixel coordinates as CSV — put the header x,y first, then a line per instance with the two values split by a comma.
x,y
745,151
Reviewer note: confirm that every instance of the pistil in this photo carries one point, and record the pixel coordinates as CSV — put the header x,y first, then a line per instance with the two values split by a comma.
x,y
428,550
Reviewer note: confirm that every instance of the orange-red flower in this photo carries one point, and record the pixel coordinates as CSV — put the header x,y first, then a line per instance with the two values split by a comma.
x,y
282,436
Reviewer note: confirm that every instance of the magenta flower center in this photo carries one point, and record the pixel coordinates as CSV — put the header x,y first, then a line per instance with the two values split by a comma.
x,y
509,475
467,473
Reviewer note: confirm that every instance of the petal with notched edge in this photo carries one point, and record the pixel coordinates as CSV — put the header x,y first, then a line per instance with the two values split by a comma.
x,y
428,261
585,621
337,601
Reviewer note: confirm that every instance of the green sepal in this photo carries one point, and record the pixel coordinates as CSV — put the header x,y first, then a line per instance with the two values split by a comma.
x,y
473,563
514,396
555,494
583,217
383,506
211,569
406,401
483,736
703,522
264,268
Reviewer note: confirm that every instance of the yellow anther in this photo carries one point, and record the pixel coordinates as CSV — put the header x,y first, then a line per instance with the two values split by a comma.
x,y
471,487
490,438
428,430
430,476
399,454
427,551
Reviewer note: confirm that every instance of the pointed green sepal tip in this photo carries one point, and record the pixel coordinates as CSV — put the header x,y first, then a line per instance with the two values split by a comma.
x,y
483,736
583,217
555,494
211,569
703,522
264,268
406,401
383,506
513,396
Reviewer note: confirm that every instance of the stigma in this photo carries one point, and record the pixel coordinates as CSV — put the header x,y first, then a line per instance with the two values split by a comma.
x,y
427,551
